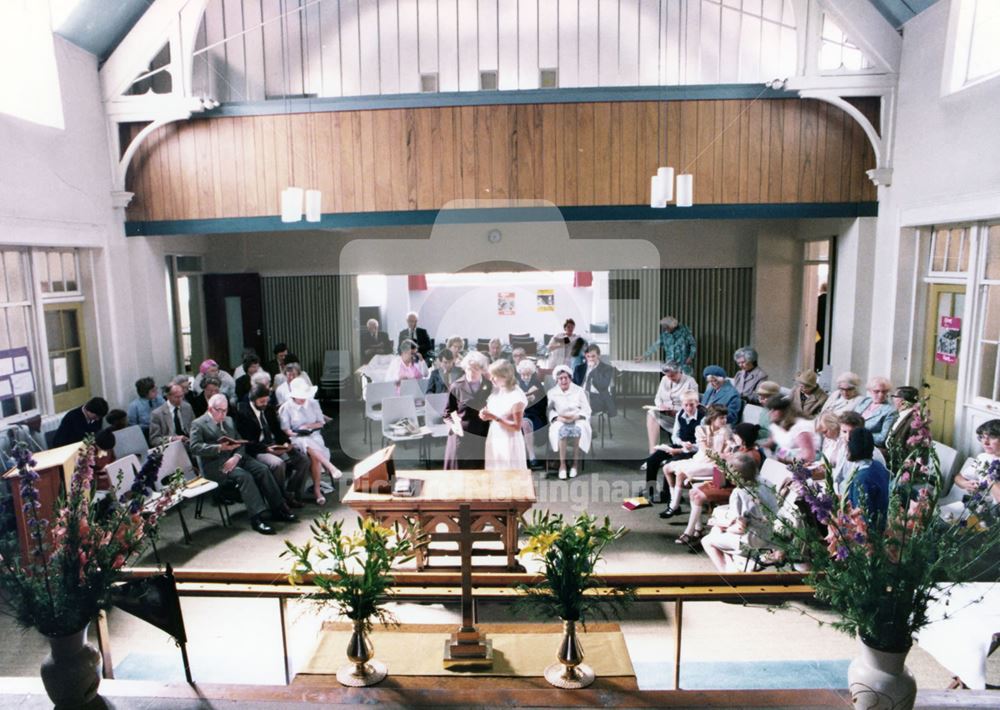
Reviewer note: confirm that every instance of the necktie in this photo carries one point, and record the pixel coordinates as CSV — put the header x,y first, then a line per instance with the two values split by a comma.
x,y
178,429
264,433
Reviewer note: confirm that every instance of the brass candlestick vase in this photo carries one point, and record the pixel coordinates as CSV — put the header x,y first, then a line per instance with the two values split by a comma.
x,y
362,670
570,671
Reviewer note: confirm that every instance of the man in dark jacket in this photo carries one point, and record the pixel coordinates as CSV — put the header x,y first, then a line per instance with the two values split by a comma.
x,y
596,378
81,421
257,422
417,335
374,341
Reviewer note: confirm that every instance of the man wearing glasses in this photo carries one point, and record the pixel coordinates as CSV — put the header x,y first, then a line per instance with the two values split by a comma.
x,y
215,442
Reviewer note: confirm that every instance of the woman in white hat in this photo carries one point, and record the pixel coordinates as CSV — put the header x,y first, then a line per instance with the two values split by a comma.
x,y
569,419
301,420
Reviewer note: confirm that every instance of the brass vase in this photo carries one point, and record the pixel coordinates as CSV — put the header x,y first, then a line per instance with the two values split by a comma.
x,y
570,671
362,669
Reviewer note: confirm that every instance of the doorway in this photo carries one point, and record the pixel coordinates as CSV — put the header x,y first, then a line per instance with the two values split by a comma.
x,y
942,345
233,317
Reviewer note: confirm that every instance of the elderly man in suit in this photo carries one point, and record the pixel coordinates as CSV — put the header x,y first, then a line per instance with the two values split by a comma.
x,y
374,341
215,441
417,335
596,378
171,421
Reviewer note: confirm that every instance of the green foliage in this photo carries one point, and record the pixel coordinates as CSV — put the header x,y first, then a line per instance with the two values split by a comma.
x,y
569,553
352,571
879,574
69,572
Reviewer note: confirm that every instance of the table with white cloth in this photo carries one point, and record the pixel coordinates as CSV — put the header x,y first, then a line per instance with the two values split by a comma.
x,y
632,369
962,641
373,371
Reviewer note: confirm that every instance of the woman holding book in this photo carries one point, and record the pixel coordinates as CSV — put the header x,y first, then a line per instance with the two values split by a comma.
x,y
301,420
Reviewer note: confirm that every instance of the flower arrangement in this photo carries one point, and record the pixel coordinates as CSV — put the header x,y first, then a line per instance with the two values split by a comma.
x,y
352,571
880,573
915,458
570,552
69,572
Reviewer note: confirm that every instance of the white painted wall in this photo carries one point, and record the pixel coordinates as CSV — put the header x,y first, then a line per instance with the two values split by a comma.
x,y
55,190
944,171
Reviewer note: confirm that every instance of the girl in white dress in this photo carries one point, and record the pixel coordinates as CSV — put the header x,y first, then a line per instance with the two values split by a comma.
x,y
505,411
302,419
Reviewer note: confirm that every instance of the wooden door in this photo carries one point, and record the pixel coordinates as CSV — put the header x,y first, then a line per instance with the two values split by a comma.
x,y
942,341
67,345
233,318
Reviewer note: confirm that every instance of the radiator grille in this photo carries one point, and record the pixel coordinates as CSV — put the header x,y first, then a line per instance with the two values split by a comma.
x,y
716,304
312,314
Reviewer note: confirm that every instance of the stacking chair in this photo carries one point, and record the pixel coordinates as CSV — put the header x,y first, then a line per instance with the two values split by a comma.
x,y
946,456
336,377
396,410
374,394
195,488
437,427
123,472
131,440
415,389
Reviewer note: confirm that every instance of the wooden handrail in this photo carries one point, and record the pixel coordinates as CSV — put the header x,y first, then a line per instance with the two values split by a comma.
x,y
490,579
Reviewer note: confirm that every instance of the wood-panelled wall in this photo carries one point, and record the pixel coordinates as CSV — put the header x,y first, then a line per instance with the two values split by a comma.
x,y
740,152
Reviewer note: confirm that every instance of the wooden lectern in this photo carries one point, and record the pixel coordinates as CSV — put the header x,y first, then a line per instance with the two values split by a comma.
x,y
55,471
376,473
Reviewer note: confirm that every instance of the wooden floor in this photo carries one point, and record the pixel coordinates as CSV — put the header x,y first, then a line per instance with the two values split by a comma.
x,y
28,693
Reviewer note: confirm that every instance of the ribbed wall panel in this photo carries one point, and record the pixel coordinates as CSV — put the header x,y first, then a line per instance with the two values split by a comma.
x,y
312,314
716,304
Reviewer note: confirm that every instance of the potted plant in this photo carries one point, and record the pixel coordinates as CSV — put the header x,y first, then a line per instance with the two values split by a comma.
x,y
880,573
569,552
69,572
354,574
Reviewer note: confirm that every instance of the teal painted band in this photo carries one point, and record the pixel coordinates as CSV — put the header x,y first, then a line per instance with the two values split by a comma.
x,y
610,213
495,98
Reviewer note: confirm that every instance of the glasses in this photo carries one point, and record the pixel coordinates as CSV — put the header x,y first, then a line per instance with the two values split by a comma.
x,y
880,391
219,409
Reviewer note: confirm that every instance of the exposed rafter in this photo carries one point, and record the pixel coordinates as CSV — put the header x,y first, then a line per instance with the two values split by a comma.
x,y
868,29
166,22
881,44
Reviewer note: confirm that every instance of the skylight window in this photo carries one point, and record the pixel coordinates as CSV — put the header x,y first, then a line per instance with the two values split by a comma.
x,y
29,80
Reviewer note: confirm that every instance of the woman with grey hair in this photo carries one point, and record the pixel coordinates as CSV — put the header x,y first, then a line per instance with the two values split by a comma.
x,y
676,343
748,375
569,419
846,398
466,398
876,409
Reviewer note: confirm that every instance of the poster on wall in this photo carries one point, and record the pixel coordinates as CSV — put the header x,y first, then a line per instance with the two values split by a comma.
x,y
946,347
505,303
15,373
546,300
